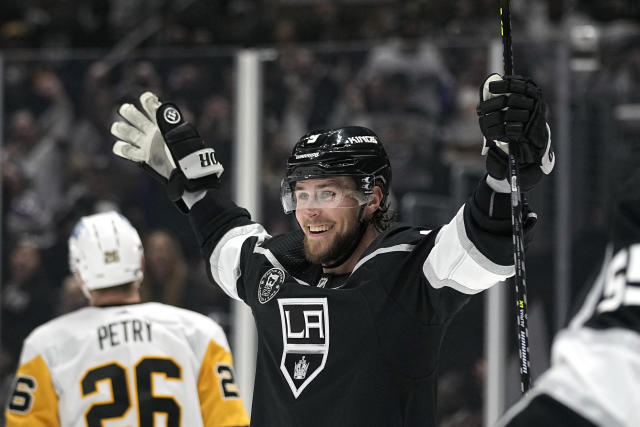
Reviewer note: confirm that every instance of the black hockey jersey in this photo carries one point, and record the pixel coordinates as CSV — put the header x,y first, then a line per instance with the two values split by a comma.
x,y
361,349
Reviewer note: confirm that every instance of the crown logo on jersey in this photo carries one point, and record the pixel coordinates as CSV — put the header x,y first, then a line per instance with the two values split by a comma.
x,y
300,369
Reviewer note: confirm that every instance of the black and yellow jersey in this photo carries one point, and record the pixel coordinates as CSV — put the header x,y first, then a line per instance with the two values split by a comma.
x,y
360,349
126,365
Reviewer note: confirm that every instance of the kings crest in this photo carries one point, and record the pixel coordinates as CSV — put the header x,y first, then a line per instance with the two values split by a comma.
x,y
305,338
269,285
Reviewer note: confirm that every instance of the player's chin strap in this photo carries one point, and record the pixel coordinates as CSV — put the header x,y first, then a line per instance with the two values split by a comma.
x,y
354,244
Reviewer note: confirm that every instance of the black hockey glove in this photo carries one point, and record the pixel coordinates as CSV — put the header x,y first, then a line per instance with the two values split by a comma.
x,y
511,109
167,147
197,168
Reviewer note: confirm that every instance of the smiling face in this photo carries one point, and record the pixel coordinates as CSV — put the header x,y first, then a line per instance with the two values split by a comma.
x,y
328,212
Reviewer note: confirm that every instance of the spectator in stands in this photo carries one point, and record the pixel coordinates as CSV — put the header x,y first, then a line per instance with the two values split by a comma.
x,y
165,270
87,139
34,146
27,297
55,119
70,297
23,211
170,279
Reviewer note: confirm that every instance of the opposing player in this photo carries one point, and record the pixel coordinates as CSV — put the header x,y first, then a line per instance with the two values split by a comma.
x,y
594,379
350,309
120,362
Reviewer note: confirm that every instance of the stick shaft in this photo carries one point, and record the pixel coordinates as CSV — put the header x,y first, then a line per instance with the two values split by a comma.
x,y
516,219
505,30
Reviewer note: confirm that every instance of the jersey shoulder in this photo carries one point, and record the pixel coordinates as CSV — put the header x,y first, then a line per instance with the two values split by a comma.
x,y
392,249
402,234
288,250
58,331
195,326
68,331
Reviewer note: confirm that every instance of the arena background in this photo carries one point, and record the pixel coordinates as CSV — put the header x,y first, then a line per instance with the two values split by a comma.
x,y
269,71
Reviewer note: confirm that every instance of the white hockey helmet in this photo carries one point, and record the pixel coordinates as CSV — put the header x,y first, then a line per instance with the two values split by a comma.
x,y
106,251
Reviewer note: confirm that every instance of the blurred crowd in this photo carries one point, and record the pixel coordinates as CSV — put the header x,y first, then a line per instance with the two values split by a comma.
x,y
72,23
412,76
102,23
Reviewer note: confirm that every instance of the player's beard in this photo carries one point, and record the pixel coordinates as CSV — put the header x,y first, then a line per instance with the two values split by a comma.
x,y
341,243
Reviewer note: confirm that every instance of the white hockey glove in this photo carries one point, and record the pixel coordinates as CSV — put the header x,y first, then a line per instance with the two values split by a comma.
x,y
140,139
511,109
160,140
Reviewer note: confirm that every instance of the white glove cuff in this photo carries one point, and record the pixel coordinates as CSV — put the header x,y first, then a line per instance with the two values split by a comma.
x,y
200,163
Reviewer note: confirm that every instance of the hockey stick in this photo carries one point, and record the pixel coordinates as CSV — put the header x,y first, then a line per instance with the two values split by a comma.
x,y
516,218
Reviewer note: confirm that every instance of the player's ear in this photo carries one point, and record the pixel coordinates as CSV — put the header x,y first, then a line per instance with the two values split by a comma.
x,y
374,203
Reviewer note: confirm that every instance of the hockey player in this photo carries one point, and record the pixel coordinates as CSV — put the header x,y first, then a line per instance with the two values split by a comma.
x,y
594,378
350,310
120,362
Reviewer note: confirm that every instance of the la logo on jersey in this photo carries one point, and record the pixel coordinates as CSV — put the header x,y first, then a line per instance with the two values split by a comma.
x,y
305,337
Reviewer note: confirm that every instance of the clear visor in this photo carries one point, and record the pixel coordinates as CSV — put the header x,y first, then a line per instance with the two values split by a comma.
x,y
323,196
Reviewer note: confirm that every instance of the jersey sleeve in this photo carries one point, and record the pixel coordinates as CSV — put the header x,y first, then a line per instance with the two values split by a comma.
x,y
220,401
223,229
474,250
487,223
33,401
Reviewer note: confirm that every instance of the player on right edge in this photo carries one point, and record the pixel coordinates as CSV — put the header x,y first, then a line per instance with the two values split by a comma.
x,y
594,379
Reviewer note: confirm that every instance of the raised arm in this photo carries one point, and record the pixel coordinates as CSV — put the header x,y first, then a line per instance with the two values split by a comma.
x,y
474,250
172,151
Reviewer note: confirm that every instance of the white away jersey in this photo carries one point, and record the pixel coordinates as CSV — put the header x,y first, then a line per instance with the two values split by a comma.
x,y
130,365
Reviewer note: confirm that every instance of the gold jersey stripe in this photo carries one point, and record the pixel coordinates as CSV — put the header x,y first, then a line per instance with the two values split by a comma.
x,y
219,397
43,409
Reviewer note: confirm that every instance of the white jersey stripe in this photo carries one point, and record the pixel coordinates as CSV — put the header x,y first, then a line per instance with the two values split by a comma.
x,y
473,252
274,261
472,272
396,248
225,258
